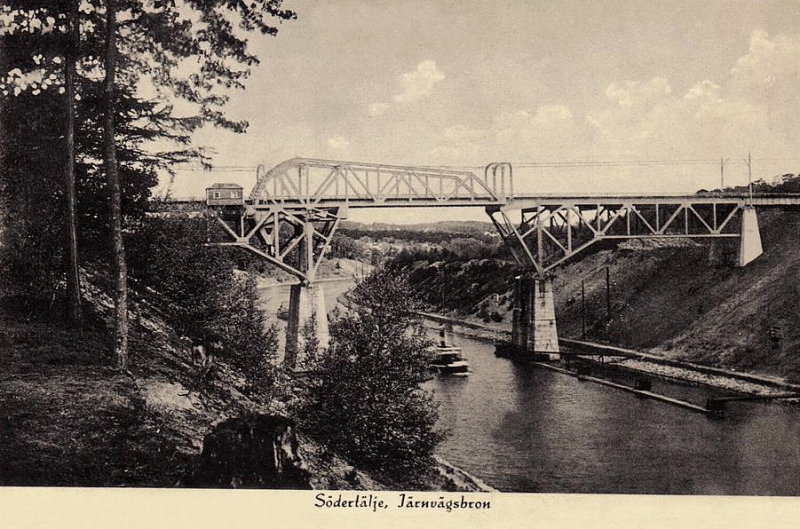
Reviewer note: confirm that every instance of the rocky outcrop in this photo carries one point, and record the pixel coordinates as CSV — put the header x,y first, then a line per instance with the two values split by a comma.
x,y
254,451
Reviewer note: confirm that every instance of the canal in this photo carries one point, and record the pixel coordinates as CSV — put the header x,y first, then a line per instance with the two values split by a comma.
x,y
522,428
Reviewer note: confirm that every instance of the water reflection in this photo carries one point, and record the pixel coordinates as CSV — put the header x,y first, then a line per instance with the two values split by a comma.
x,y
522,428
527,429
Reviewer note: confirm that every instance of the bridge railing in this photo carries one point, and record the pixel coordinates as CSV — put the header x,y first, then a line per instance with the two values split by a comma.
x,y
317,182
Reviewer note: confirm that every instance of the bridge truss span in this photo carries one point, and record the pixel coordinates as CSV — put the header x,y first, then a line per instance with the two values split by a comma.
x,y
295,240
295,208
542,233
317,183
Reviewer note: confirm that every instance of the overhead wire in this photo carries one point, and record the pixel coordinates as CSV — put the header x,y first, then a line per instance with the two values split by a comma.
x,y
551,164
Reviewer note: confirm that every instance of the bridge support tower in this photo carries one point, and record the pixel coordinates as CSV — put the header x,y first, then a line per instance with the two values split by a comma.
x,y
551,231
534,328
295,240
308,320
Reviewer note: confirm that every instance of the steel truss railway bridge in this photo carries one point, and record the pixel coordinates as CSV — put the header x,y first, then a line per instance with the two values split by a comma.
x,y
295,208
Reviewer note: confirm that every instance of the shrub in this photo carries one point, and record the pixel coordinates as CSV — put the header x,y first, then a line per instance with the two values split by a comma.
x,y
364,399
199,293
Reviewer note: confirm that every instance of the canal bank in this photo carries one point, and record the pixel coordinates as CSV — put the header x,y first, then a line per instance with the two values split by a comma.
x,y
646,363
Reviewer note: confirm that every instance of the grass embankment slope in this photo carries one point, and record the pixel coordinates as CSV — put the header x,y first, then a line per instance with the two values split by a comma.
x,y
666,297
68,419
675,301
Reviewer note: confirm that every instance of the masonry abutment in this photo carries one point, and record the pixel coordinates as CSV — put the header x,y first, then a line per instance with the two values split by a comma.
x,y
750,241
534,318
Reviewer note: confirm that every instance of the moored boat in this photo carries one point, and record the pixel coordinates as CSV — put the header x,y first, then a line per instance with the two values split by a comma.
x,y
447,359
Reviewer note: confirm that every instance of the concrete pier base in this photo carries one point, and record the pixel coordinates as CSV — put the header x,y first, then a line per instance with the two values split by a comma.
x,y
534,318
750,242
306,303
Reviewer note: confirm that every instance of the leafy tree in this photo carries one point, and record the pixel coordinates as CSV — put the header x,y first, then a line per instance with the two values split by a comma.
x,y
364,398
30,119
155,42
199,293
157,36
347,248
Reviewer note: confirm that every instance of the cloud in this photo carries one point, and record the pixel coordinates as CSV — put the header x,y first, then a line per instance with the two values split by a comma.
x,y
420,82
338,143
768,76
704,91
753,109
376,109
460,132
634,93
768,62
546,132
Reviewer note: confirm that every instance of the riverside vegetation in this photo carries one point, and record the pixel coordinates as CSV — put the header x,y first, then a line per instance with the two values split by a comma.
x,y
71,419
98,388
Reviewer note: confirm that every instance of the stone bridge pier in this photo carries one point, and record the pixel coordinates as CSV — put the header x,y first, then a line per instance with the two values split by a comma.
x,y
308,316
534,328
536,239
308,319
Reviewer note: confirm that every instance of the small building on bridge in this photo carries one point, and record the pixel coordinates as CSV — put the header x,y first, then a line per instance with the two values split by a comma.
x,y
224,195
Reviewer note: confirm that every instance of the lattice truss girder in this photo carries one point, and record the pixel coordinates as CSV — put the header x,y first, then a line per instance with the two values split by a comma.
x,y
547,234
293,239
312,183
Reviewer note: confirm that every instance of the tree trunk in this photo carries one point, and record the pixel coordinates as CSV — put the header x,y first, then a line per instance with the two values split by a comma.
x,y
112,174
73,275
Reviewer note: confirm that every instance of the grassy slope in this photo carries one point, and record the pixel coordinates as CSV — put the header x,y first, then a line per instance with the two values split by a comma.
x,y
678,303
68,419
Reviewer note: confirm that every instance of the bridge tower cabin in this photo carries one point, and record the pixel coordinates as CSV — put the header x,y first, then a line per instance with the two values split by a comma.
x,y
225,195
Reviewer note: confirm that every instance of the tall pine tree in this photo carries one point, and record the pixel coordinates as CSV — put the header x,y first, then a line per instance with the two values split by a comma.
x,y
150,41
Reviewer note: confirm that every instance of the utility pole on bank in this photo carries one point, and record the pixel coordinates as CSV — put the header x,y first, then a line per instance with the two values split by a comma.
x,y
722,173
608,297
749,177
583,310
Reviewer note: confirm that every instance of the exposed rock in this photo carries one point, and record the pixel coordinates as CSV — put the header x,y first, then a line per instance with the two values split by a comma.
x,y
253,451
166,397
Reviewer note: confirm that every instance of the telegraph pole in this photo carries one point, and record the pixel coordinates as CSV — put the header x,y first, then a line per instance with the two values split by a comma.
x,y
583,310
721,174
749,177
608,297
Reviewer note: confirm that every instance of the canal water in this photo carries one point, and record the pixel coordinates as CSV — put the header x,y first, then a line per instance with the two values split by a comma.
x,y
523,428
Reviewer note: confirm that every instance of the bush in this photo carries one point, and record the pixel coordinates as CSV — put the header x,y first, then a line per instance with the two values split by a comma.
x,y
199,293
364,399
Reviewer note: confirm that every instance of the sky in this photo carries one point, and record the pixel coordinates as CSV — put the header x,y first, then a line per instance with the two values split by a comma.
x,y
674,85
